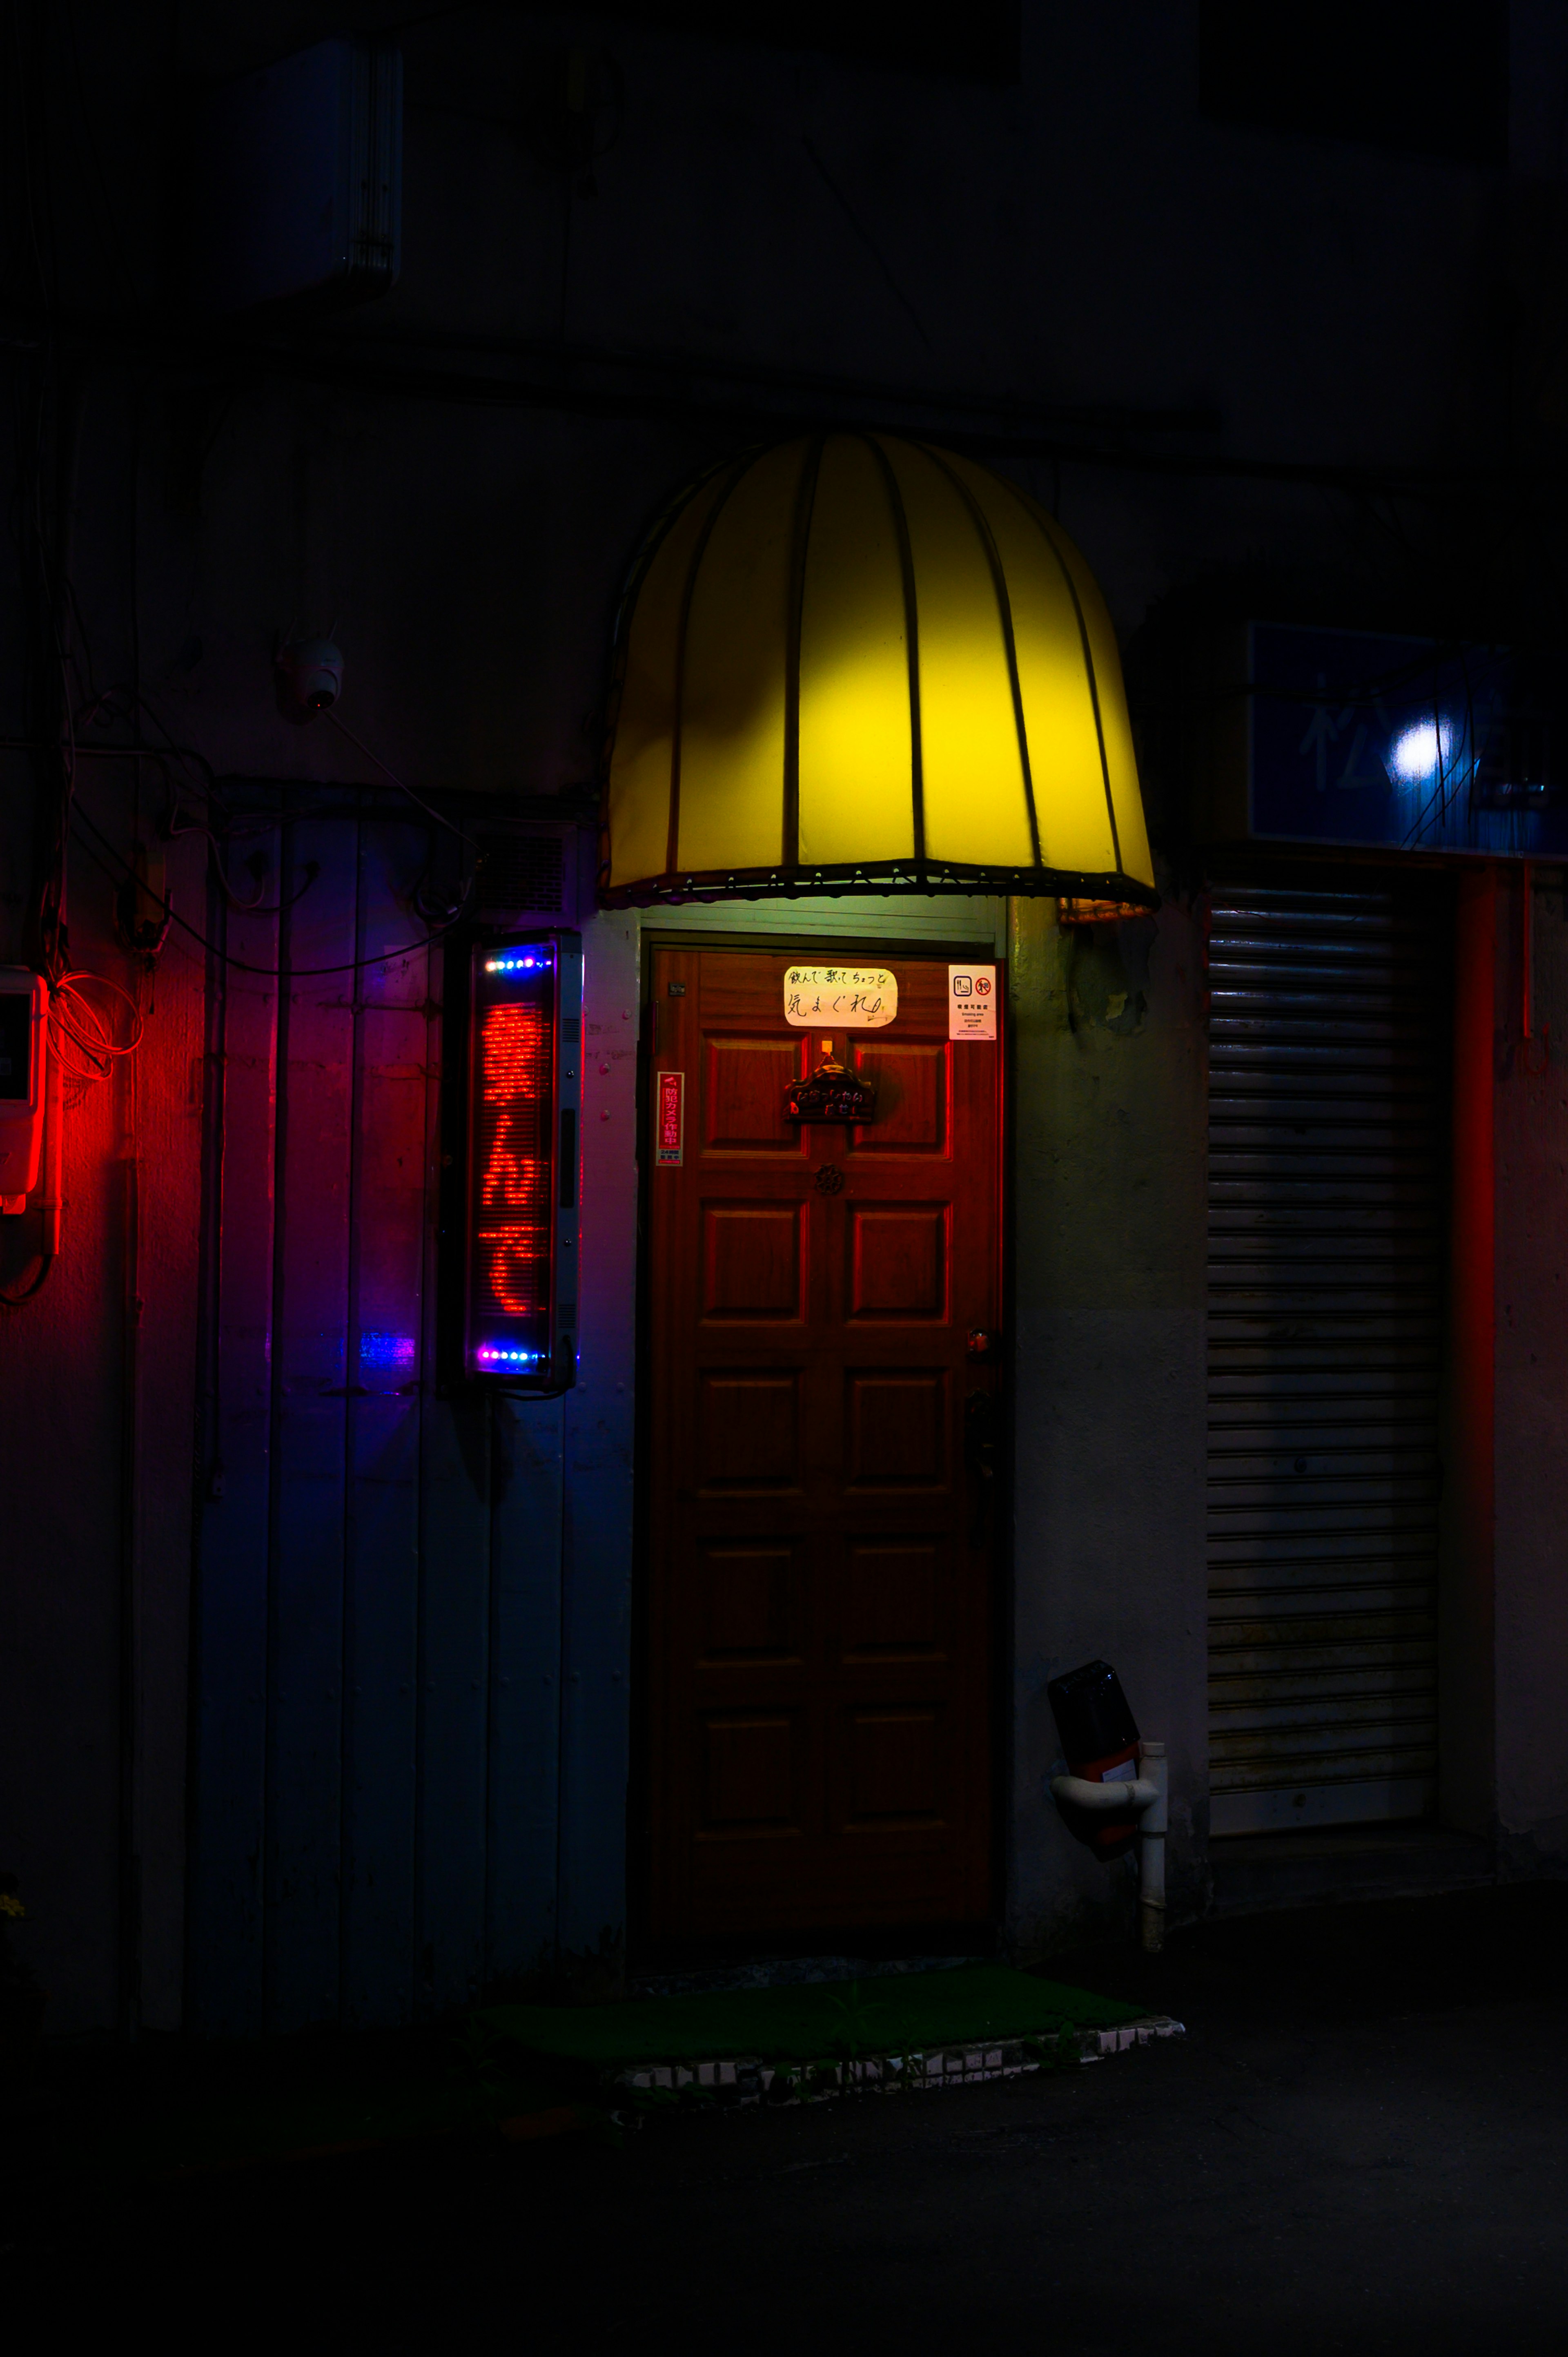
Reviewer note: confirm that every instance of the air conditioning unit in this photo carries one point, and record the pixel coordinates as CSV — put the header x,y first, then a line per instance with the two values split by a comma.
x,y
530,872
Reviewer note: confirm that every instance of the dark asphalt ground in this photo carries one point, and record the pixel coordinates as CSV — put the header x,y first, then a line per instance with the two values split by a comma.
x,y
1361,2145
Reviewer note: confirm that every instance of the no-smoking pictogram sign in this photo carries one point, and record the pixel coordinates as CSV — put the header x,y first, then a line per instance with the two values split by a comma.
x,y
972,1001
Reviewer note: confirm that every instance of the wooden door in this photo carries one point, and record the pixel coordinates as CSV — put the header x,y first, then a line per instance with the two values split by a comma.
x,y
822,1410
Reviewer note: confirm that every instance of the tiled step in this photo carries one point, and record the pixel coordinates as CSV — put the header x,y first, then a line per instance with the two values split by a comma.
x,y
747,2080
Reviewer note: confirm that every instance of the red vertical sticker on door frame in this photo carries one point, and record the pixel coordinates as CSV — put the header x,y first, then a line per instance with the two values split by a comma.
x,y
671,1118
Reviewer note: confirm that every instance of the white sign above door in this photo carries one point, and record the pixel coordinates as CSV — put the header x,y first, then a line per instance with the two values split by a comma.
x,y
840,998
972,1001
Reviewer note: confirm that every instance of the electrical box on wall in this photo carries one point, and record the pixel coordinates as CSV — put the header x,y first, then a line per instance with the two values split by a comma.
x,y
524,1074
24,1035
297,185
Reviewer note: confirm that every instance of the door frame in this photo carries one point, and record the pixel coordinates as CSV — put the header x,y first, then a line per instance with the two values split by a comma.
x,y
834,947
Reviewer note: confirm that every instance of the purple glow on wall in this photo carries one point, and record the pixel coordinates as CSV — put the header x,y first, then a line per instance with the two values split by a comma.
x,y
388,1354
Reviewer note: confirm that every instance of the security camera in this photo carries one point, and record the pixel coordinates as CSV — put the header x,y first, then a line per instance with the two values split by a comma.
x,y
310,678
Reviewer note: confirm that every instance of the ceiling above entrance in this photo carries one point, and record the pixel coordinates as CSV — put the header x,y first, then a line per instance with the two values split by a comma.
x,y
854,663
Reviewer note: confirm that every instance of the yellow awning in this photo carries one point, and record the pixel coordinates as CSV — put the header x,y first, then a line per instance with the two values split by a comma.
x,y
855,663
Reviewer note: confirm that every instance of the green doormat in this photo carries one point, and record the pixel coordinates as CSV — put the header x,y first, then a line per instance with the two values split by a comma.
x,y
977,2021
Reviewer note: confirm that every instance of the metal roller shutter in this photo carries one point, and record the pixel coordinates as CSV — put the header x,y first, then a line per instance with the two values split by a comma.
x,y
1328,1038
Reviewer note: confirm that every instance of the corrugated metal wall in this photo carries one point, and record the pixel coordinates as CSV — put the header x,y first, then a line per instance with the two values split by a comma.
x,y
1328,1036
378,1657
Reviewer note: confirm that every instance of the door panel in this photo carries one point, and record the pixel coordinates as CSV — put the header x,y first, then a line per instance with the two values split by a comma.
x,y
751,1430
751,1604
898,1260
820,1580
743,1083
754,1780
896,1773
898,1598
911,1084
751,1260
897,1425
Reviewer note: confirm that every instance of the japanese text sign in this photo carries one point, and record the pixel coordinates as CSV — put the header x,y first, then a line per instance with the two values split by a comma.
x,y
671,1118
840,998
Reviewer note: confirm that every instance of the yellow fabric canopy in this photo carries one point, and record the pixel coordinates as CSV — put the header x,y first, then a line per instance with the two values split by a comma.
x,y
855,663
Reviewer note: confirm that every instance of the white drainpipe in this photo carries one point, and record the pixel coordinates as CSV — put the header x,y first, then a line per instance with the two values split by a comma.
x,y
1145,1796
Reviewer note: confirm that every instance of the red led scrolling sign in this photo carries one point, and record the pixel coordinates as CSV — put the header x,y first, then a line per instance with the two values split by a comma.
x,y
524,1056
511,1131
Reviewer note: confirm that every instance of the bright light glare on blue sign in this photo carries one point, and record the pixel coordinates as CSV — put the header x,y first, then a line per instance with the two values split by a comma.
x,y
1421,751
1400,744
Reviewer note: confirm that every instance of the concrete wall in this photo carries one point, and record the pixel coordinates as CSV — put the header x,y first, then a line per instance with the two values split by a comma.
x,y
1177,333
1110,1226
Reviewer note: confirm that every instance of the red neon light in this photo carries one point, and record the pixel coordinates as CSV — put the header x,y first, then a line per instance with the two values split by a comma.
x,y
513,1145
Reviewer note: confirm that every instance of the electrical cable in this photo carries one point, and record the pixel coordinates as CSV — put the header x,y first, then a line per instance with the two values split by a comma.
x,y
136,700
280,973
805,402
79,1035
369,756
113,699
246,821
236,900
30,1291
